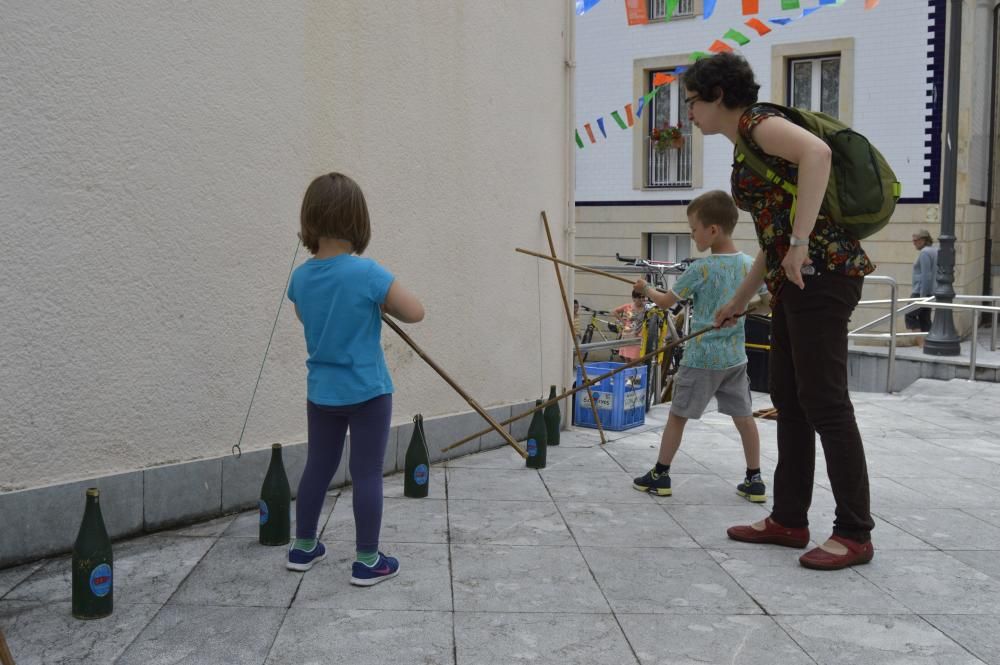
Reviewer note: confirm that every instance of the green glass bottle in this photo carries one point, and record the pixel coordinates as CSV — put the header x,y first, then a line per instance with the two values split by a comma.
x,y
416,482
553,419
275,502
93,564
537,440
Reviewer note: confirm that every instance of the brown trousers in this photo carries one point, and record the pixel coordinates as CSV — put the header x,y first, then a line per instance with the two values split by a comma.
x,y
808,385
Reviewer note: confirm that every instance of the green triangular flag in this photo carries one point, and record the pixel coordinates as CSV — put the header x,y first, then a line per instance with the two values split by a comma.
x,y
736,36
671,8
789,4
698,55
579,141
618,119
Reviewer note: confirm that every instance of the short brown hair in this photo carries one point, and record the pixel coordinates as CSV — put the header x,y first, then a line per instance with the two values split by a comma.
x,y
334,207
715,207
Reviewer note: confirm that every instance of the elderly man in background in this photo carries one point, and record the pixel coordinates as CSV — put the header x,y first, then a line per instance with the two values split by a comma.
x,y
924,271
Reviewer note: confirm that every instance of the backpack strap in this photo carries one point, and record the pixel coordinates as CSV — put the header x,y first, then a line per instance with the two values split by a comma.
x,y
745,155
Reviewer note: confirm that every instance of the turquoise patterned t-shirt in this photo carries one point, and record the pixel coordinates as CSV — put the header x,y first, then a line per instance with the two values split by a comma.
x,y
711,282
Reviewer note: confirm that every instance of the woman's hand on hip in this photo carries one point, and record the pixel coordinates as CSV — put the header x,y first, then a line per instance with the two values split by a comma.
x,y
792,264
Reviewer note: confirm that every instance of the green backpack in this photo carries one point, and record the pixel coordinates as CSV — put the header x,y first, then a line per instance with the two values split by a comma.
x,y
862,191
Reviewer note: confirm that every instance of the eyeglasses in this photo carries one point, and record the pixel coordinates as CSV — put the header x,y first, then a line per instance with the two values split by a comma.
x,y
691,100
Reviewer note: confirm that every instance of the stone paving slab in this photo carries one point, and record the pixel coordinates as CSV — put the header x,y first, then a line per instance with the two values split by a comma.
x,y
504,564
588,639
209,634
835,640
710,638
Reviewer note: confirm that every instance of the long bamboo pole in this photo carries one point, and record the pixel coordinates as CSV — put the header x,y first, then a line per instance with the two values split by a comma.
x,y
572,328
583,386
574,265
451,382
5,656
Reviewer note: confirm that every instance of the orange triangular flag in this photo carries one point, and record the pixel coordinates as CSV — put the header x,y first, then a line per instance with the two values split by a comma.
x,y
720,47
750,7
590,133
759,26
628,115
661,78
871,4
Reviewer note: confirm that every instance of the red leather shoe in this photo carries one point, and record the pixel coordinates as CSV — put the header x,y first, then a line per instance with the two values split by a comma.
x,y
772,533
820,559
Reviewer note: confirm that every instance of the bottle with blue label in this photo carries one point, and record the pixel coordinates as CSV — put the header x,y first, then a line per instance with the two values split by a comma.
x,y
553,419
417,480
93,564
275,502
538,440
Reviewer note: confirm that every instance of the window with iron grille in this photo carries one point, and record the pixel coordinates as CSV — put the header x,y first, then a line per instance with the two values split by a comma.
x,y
814,84
670,167
658,9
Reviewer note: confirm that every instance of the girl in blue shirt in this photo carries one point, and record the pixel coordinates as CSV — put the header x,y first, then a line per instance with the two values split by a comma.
x,y
339,298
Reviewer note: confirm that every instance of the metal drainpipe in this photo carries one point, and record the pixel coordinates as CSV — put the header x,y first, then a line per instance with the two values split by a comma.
x,y
569,235
990,185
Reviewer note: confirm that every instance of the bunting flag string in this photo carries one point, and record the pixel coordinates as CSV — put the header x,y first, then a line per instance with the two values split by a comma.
x,y
661,79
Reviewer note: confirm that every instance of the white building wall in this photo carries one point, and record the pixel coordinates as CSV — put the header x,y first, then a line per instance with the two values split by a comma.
x,y
890,84
154,159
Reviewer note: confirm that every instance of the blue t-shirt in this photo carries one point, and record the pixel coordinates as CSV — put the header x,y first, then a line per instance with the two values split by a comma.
x,y
338,299
711,282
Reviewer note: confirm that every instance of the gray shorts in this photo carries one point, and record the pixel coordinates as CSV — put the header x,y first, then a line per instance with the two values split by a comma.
x,y
694,388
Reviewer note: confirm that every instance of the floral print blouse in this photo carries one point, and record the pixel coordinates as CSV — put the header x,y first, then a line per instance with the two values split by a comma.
x,y
831,248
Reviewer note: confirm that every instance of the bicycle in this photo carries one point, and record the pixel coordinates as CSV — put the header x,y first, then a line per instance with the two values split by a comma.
x,y
660,327
592,327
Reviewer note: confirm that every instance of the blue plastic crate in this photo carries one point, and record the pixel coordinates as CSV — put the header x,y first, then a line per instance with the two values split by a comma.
x,y
621,399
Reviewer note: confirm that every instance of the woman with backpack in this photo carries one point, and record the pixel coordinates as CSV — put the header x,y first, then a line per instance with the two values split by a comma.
x,y
814,269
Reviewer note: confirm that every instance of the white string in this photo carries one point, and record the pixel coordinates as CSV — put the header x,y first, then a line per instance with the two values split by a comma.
x,y
237,451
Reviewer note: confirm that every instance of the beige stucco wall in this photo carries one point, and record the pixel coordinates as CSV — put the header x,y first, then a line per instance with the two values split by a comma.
x,y
154,160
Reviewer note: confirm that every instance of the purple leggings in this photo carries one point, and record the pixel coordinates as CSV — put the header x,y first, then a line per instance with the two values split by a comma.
x,y
369,425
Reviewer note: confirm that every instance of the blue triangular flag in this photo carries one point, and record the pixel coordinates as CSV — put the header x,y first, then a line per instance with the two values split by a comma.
x,y
600,125
708,9
781,21
584,6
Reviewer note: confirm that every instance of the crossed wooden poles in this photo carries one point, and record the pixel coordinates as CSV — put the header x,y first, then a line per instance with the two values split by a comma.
x,y
585,385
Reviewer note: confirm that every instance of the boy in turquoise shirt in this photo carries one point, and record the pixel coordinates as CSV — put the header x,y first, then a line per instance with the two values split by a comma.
x,y
714,364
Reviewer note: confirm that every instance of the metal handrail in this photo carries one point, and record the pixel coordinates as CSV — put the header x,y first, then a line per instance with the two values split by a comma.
x,y
916,303
993,327
893,288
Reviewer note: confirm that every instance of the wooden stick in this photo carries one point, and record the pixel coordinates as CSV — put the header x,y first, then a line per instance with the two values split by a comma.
x,y
451,382
5,656
572,328
587,384
574,265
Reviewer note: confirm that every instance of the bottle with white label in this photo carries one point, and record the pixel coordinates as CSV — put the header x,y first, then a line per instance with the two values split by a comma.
x,y
537,442
417,479
93,564
275,503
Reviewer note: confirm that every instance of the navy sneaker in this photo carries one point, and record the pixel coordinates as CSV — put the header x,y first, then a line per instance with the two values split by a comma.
x,y
752,489
384,568
654,483
302,561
